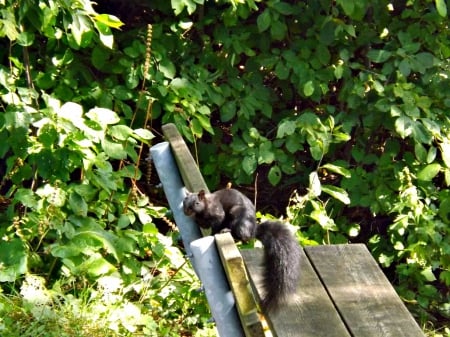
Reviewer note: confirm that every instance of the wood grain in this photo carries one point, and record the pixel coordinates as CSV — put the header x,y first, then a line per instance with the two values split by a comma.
x,y
189,170
362,294
310,313
237,278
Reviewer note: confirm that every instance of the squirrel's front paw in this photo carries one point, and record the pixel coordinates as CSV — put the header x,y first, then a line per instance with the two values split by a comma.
x,y
225,230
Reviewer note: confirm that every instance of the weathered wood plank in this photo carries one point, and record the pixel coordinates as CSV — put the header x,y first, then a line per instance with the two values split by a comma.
x,y
189,171
361,292
310,313
237,278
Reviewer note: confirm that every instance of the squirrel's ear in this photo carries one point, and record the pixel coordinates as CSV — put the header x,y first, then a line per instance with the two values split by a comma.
x,y
201,194
186,191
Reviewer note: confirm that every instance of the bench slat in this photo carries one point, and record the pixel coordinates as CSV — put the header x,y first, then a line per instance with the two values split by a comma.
x,y
311,313
189,171
237,277
361,292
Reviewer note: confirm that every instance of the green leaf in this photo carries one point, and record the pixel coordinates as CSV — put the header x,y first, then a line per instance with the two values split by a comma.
x,y
78,204
263,21
379,55
143,134
404,67
315,187
441,7
13,260
266,153
113,150
426,59
96,265
428,274
347,5
429,172
120,132
308,88
168,68
337,169
282,71
420,152
124,221
25,39
323,54
337,193
228,111
249,164
283,8
286,128
106,36
95,232
81,29
103,116
404,126
445,152
109,20
278,30
274,175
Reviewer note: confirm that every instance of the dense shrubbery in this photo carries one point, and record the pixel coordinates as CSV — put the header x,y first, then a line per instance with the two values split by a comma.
x,y
345,102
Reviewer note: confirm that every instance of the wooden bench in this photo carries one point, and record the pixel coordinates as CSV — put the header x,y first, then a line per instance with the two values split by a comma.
x,y
342,291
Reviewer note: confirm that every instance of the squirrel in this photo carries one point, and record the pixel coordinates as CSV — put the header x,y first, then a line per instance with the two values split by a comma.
x,y
228,210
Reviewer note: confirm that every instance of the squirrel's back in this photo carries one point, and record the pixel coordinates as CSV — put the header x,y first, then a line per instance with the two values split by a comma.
x,y
224,210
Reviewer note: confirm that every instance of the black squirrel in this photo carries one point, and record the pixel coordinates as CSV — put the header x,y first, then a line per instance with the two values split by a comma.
x,y
230,210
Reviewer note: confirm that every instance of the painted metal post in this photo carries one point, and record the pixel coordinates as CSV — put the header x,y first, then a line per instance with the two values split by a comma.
x,y
202,251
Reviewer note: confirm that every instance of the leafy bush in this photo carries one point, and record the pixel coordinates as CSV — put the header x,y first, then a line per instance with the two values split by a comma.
x,y
360,86
346,98
72,208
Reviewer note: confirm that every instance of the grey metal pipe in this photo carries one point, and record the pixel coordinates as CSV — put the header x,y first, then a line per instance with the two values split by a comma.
x,y
218,293
201,251
174,190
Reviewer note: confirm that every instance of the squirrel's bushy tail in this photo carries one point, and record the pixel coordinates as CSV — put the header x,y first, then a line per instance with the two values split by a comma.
x,y
282,263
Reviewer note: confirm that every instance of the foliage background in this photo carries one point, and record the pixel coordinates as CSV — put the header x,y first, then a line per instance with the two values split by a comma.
x,y
339,108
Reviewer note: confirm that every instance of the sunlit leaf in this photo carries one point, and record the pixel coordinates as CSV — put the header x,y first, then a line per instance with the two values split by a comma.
x,y
337,193
429,172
